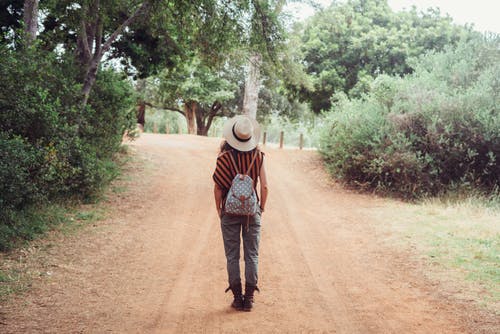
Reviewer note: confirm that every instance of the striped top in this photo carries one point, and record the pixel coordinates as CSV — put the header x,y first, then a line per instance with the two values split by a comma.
x,y
225,170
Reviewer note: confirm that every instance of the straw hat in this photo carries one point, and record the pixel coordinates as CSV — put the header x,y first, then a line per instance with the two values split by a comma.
x,y
242,133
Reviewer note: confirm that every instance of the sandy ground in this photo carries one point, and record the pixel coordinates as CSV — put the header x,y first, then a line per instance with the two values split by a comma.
x,y
156,264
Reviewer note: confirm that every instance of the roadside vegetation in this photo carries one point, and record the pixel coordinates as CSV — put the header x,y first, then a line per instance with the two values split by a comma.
x,y
433,131
52,150
403,104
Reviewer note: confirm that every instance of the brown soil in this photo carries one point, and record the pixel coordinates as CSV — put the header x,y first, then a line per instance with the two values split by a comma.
x,y
157,265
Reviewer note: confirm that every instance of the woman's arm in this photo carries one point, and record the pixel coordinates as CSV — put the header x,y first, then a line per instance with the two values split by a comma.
x,y
218,199
263,187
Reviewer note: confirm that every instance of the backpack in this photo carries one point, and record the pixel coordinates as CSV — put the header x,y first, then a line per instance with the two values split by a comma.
x,y
241,198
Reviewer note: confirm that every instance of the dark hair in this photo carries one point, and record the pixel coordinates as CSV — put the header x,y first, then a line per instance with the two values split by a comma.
x,y
224,147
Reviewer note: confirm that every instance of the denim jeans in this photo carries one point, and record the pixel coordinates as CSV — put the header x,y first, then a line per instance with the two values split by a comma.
x,y
232,228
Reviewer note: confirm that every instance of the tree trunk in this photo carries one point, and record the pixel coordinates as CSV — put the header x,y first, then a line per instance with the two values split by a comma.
x,y
190,112
201,129
252,86
141,113
30,18
90,79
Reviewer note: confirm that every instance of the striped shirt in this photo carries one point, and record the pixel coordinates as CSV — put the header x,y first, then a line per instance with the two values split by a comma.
x,y
225,170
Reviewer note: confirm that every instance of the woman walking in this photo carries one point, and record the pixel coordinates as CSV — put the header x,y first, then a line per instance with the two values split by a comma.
x,y
240,215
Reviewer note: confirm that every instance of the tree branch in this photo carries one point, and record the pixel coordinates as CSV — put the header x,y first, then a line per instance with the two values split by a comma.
x,y
92,20
85,41
216,106
165,108
143,7
93,65
98,35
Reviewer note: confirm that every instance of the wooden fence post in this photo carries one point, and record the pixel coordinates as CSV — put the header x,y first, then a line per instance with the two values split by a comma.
x,y
301,141
155,128
167,129
264,138
281,139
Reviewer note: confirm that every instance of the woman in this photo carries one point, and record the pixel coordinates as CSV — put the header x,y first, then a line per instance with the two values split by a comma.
x,y
240,155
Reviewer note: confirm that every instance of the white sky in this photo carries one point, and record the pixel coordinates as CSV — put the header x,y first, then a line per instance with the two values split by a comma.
x,y
484,14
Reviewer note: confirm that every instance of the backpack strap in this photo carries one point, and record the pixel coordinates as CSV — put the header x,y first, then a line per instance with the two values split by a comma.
x,y
249,167
253,160
234,162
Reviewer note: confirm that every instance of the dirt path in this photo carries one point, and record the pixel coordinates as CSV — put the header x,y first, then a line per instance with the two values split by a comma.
x,y
157,265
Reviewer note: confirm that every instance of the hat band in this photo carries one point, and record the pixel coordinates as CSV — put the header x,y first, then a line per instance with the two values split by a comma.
x,y
238,138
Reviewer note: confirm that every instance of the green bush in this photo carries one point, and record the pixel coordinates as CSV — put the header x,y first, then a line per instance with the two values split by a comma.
x,y
431,131
18,158
50,148
110,113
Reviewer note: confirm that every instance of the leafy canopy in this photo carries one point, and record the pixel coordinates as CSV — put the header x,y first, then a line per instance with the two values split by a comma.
x,y
348,44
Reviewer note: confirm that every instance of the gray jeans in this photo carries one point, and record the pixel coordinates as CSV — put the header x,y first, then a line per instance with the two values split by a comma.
x,y
232,228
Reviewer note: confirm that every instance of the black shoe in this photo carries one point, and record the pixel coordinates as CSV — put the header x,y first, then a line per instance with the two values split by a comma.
x,y
238,298
248,297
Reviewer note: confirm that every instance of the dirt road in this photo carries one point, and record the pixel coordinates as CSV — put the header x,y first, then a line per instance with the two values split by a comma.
x,y
157,265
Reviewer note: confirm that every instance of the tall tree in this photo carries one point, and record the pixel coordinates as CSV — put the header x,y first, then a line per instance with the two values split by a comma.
x,y
351,42
223,31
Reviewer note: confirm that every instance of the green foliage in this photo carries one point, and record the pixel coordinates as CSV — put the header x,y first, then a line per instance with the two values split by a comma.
x,y
213,91
42,155
110,114
28,223
168,31
431,131
17,159
194,81
349,43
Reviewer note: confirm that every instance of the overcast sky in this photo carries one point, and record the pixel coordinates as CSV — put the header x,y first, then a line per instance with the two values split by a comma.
x,y
484,14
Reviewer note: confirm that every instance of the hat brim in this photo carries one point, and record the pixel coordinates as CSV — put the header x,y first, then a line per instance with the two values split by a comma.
x,y
227,133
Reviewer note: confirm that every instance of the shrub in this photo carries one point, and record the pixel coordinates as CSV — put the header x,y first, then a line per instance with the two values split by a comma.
x,y
425,133
110,113
17,160
50,148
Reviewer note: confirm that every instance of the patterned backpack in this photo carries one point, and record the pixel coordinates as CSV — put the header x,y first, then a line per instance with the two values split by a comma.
x,y
241,198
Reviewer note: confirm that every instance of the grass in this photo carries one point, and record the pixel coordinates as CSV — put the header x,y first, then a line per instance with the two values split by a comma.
x,y
24,261
13,281
21,252
458,237
30,223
